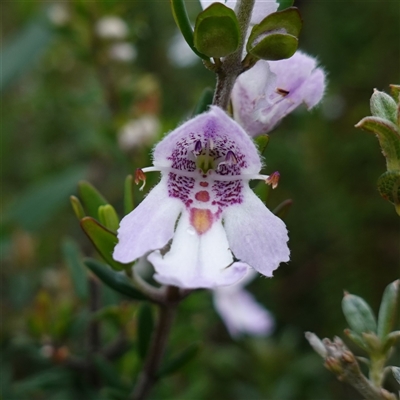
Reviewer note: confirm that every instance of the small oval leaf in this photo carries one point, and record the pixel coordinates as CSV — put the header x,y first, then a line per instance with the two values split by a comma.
x,y
91,198
179,360
108,217
388,309
358,314
275,46
103,240
217,33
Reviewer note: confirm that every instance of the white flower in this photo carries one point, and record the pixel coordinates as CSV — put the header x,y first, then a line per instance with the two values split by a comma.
x,y
139,132
111,27
123,51
204,204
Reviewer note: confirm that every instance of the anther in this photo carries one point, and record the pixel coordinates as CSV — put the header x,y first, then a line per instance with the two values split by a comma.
x,y
273,179
140,176
198,147
230,157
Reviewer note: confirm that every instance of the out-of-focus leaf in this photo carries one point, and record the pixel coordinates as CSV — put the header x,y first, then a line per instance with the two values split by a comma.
x,y
282,209
77,207
108,217
108,372
103,239
204,102
92,199
111,393
262,142
179,360
145,329
39,203
73,258
388,136
217,33
388,309
113,279
19,53
358,314
129,203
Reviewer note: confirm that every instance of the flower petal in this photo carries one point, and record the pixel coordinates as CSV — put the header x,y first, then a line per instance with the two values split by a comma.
x,y
255,235
149,226
241,313
197,261
215,125
261,9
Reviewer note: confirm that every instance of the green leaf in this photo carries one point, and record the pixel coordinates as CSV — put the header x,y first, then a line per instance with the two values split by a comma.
x,y
217,33
395,92
283,208
276,36
92,199
388,309
275,46
356,338
182,20
109,374
72,258
388,136
38,204
283,4
396,374
358,314
129,203
180,360
77,207
108,217
19,54
204,102
383,106
103,240
115,280
262,142
145,329
391,339
389,187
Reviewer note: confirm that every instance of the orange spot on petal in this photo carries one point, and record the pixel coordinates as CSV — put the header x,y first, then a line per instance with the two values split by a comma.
x,y
204,184
201,220
203,195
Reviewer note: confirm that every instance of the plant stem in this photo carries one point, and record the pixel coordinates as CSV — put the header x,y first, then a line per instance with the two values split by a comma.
x,y
148,375
231,66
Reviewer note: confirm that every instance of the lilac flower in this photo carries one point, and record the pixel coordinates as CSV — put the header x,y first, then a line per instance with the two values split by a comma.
x,y
261,8
271,90
203,203
241,313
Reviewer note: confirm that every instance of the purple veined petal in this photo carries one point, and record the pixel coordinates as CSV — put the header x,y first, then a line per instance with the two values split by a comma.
x,y
301,77
215,125
149,226
250,95
197,261
241,313
256,236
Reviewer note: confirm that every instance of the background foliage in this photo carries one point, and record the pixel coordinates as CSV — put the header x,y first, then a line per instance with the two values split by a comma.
x,y
64,100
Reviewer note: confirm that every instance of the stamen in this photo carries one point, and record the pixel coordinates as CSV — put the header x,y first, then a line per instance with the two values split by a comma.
x,y
273,179
230,158
211,144
198,147
140,176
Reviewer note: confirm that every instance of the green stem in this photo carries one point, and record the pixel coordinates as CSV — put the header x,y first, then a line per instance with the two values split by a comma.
x,y
231,66
148,376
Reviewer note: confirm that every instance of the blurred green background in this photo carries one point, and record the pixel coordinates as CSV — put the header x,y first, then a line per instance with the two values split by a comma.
x,y
71,99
